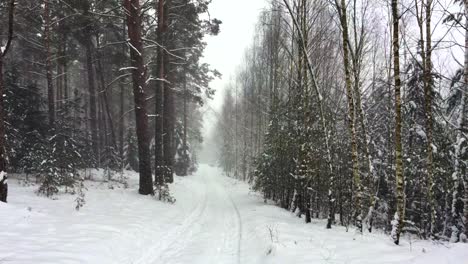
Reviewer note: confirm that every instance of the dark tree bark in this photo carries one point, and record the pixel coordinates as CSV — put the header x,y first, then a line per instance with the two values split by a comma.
x,y
121,121
61,79
184,139
92,96
48,65
160,96
122,105
168,136
105,97
64,63
84,36
58,82
132,10
429,116
102,125
3,156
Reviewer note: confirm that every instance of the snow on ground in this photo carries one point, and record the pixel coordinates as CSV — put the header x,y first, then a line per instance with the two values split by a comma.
x,y
215,220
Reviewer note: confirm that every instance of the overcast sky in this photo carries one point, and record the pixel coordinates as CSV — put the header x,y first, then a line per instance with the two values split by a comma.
x,y
226,50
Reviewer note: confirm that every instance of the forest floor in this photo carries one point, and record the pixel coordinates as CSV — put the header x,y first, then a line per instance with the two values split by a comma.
x,y
214,220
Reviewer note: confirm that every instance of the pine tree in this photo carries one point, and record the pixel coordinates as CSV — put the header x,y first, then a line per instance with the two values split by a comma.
x,y
3,155
133,16
131,151
59,156
26,122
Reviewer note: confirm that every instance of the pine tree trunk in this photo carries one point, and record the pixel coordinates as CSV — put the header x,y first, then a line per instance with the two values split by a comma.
x,y
64,63
168,136
169,112
3,155
121,121
400,180
159,94
184,139
101,126
92,97
48,65
58,82
105,97
122,106
102,121
133,15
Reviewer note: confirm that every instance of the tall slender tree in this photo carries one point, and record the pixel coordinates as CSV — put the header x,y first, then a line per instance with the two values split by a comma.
x,y
463,121
3,155
160,94
133,16
400,180
428,94
358,215
325,129
425,45
48,64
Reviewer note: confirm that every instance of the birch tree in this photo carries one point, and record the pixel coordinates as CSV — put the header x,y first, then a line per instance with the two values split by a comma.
x,y
400,180
325,130
358,214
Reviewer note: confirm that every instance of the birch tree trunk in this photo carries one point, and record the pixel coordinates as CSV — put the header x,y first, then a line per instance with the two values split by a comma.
x,y
351,119
325,130
400,180
357,55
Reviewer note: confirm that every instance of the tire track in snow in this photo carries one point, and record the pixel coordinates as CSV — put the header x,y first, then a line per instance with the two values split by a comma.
x,y
165,243
197,235
186,235
239,229
178,245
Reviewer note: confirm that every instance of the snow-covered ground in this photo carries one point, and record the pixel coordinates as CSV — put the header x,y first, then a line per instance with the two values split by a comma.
x,y
215,220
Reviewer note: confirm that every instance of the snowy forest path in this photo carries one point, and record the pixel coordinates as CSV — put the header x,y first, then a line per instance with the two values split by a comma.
x,y
210,233
216,219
